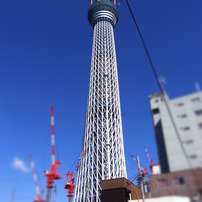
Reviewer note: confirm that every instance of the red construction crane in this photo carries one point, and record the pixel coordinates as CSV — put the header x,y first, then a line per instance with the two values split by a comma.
x,y
153,167
39,194
53,174
69,185
149,158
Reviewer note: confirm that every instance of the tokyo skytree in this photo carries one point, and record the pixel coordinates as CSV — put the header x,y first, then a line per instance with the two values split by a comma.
x,y
102,156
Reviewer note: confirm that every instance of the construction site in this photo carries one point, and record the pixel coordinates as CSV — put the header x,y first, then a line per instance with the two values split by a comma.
x,y
134,155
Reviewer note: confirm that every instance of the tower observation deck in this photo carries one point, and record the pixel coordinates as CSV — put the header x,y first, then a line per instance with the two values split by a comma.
x,y
102,156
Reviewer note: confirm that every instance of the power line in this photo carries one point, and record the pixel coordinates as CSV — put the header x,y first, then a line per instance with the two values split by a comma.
x,y
160,86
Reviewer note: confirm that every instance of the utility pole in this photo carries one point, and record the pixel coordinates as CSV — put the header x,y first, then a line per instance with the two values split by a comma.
x,y
141,181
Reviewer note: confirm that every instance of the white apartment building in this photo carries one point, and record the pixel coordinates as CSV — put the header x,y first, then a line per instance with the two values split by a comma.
x,y
187,115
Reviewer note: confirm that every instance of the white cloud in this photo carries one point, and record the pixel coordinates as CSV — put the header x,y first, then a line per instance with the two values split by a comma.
x,y
19,164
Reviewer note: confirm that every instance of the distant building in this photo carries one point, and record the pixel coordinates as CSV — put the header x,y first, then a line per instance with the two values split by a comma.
x,y
187,114
165,199
186,183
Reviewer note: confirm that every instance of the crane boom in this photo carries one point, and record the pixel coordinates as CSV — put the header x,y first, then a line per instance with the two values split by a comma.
x,y
148,156
39,194
34,174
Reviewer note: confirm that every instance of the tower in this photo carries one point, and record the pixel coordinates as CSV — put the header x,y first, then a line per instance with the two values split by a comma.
x,y
102,155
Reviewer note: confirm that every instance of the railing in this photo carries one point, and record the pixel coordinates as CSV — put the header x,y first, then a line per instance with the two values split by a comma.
x,y
100,0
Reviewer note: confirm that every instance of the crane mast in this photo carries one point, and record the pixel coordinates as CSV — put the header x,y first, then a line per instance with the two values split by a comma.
x,y
53,173
54,194
52,136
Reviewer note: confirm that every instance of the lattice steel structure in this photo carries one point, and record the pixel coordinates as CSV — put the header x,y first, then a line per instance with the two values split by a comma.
x,y
102,154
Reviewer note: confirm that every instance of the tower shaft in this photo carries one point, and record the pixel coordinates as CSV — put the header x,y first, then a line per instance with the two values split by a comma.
x,y
102,149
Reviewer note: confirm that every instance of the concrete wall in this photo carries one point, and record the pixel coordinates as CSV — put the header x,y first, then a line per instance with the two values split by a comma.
x,y
165,199
181,183
119,190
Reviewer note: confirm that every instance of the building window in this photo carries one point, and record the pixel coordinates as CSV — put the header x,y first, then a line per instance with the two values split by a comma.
x,y
194,156
162,183
200,125
188,142
156,101
180,104
186,128
182,116
155,111
198,112
178,181
196,100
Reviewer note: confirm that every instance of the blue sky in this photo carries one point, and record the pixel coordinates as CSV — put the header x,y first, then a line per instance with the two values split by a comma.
x,y
45,54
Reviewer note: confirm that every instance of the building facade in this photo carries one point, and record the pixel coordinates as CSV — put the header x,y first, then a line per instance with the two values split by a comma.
x,y
119,190
180,151
180,183
102,156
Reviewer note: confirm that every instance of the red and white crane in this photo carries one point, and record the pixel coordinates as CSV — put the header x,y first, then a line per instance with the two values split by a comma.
x,y
149,158
52,135
153,167
53,174
70,185
39,194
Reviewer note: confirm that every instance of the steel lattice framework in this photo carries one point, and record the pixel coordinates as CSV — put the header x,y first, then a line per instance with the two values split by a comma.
x,y
102,154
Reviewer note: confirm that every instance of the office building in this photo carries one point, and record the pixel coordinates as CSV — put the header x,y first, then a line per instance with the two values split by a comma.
x,y
181,150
